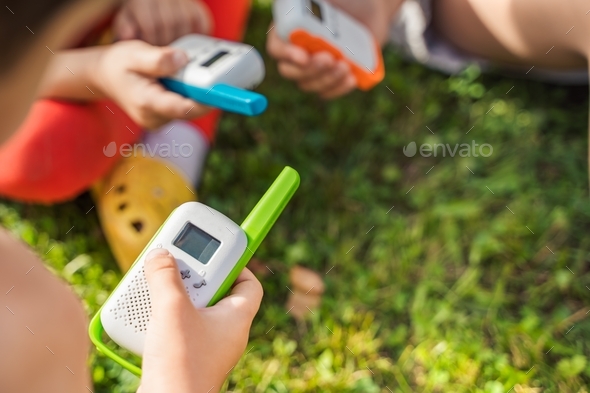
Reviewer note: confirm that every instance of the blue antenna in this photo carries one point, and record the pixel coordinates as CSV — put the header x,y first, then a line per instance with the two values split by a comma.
x,y
222,96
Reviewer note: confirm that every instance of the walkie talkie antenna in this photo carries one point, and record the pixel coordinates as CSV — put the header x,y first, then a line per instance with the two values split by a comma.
x,y
222,96
260,221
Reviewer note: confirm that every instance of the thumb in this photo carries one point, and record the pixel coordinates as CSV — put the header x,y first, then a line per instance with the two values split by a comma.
x,y
157,61
245,296
166,288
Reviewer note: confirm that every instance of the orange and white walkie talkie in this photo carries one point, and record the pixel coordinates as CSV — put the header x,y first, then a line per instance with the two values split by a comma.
x,y
317,25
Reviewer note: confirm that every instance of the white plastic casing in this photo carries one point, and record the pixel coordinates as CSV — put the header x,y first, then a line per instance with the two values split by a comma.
x,y
242,66
345,33
126,314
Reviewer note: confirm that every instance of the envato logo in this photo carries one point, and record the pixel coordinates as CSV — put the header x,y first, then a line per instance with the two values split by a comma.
x,y
439,149
163,150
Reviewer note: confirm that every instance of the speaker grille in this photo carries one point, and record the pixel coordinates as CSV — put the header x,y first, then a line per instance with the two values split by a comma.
x,y
134,307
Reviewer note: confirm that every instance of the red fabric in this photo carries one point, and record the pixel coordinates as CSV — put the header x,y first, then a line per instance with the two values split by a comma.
x,y
58,151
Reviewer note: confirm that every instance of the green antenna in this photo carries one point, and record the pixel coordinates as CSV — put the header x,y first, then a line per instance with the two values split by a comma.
x,y
259,222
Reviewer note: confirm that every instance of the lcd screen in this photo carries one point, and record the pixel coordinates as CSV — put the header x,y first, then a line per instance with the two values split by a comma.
x,y
215,58
196,243
316,10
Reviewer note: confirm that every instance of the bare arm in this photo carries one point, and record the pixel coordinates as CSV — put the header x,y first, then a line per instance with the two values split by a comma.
x,y
518,31
43,326
126,72
321,73
70,75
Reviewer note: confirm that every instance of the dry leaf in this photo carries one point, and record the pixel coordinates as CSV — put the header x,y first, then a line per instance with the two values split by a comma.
x,y
302,305
306,281
307,289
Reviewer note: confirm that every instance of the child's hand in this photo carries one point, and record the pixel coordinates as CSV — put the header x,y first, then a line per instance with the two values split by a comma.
x,y
159,22
127,72
187,349
321,72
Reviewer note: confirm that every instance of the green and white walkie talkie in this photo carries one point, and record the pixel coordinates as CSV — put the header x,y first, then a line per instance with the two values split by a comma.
x,y
210,250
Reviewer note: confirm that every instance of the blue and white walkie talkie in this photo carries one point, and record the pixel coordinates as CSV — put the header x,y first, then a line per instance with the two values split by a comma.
x,y
219,73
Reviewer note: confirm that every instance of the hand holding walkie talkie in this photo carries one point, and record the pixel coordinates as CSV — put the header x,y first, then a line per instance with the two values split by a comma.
x,y
330,47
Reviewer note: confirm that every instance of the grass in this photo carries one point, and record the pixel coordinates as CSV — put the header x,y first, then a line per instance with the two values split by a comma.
x,y
446,274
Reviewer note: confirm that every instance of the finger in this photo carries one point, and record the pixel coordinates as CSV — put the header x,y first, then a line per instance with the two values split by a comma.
x,y
183,19
202,21
294,72
345,87
327,80
245,275
170,105
245,296
146,20
165,23
282,50
151,122
319,64
125,26
163,277
323,61
155,61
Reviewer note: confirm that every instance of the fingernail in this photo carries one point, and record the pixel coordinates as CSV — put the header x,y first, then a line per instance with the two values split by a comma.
x,y
156,252
179,58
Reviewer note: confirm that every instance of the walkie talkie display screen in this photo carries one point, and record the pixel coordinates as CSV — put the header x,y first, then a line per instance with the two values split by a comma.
x,y
215,58
196,243
316,10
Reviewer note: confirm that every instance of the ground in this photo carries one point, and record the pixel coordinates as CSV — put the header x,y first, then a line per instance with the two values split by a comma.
x,y
443,274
